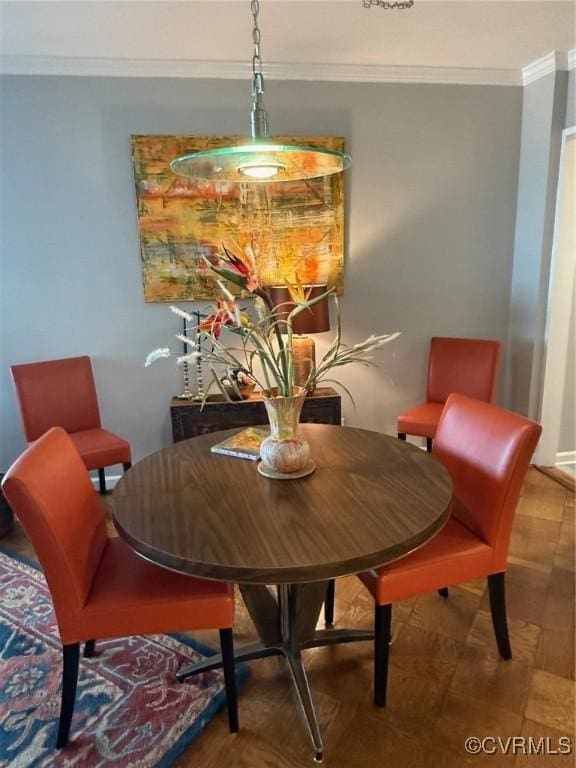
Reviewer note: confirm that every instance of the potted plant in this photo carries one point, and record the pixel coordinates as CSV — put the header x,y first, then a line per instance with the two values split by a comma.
x,y
261,348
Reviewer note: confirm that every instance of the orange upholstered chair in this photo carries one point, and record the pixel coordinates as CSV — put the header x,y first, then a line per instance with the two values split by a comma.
x,y
100,588
61,393
487,451
467,366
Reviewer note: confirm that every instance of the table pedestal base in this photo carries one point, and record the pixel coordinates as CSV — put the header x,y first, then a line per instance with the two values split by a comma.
x,y
287,626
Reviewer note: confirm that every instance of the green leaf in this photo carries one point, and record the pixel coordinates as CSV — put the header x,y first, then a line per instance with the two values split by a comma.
x,y
220,385
339,384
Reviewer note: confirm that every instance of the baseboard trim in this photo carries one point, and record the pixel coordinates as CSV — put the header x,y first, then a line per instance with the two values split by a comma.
x,y
562,478
565,457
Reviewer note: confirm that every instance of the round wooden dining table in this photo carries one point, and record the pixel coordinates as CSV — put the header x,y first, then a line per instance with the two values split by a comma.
x,y
371,500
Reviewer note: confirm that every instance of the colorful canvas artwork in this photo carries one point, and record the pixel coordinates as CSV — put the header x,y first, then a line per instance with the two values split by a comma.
x,y
296,228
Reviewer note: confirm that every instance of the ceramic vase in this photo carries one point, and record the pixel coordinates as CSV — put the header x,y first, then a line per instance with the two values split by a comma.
x,y
285,455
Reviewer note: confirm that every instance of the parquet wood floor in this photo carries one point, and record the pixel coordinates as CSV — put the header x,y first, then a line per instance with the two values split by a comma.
x,y
447,681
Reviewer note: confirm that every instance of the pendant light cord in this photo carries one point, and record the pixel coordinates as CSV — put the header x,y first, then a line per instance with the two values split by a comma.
x,y
259,118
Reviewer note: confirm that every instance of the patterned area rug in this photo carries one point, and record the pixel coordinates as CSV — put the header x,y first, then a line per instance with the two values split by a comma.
x,y
130,711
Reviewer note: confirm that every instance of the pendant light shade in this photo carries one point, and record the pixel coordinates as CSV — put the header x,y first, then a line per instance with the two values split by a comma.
x,y
260,160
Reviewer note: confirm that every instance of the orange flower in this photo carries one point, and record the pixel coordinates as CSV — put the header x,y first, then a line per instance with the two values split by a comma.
x,y
239,271
224,315
299,293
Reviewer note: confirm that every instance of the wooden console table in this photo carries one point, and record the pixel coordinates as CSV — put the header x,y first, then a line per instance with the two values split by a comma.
x,y
189,419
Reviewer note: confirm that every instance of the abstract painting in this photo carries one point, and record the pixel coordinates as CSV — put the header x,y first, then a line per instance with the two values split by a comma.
x,y
296,228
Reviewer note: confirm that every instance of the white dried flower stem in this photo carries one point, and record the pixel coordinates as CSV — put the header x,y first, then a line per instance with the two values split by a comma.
x,y
157,354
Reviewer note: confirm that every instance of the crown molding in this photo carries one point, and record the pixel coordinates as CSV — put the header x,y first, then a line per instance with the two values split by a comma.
x,y
553,62
236,70
316,72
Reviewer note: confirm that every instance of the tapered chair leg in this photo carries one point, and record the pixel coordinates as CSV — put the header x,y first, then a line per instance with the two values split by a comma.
x,y
102,480
429,444
89,649
227,647
126,465
401,436
443,592
329,603
497,590
71,659
382,628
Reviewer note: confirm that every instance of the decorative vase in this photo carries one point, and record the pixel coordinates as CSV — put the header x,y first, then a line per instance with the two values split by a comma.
x,y
285,455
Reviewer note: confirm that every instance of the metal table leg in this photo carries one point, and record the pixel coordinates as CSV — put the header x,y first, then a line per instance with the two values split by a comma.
x,y
287,626
302,685
246,653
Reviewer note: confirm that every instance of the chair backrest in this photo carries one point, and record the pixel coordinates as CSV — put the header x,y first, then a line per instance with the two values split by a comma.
x,y
50,492
467,366
56,393
487,451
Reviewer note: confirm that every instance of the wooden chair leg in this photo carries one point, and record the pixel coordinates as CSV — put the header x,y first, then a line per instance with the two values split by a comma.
x,y
497,590
401,436
382,627
443,592
329,603
126,465
227,647
102,480
71,659
89,649
429,444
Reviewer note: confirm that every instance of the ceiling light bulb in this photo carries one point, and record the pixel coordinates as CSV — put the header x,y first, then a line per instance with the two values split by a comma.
x,y
261,170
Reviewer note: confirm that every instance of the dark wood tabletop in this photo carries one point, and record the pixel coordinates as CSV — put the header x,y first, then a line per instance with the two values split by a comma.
x,y
372,499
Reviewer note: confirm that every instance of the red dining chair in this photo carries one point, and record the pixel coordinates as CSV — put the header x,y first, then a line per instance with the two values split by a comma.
x,y
467,366
62,393
100,588
487,451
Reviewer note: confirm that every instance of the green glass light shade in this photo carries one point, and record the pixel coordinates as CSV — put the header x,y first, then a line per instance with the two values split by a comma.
x,y
261,161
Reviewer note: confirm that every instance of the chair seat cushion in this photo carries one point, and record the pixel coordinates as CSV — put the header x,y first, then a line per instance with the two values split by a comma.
x,y
422,420
130,596
453,556
100,448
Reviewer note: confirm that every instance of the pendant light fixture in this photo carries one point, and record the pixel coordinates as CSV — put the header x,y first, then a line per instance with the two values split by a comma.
x,y
261,159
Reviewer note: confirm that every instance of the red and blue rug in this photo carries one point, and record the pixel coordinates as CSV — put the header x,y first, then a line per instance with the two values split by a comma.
x,y
130,710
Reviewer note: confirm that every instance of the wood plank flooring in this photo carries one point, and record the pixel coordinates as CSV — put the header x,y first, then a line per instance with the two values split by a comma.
x,y
447,681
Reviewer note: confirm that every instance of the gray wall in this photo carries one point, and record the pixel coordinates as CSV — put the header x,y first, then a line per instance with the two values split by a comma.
x,y
432,197
543,119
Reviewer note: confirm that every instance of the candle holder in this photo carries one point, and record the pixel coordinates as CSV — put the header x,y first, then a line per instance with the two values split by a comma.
x,y
187,393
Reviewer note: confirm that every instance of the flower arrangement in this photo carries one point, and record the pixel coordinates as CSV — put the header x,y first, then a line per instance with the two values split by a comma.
x,y
263,351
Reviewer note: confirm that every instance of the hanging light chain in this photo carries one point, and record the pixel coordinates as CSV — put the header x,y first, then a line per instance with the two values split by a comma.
x,y
259,118
257,78
389,6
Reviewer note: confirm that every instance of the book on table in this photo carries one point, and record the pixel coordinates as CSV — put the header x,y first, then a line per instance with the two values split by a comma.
x,y
244,444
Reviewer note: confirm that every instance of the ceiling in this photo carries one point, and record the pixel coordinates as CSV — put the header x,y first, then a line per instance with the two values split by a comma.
x,y
461,34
